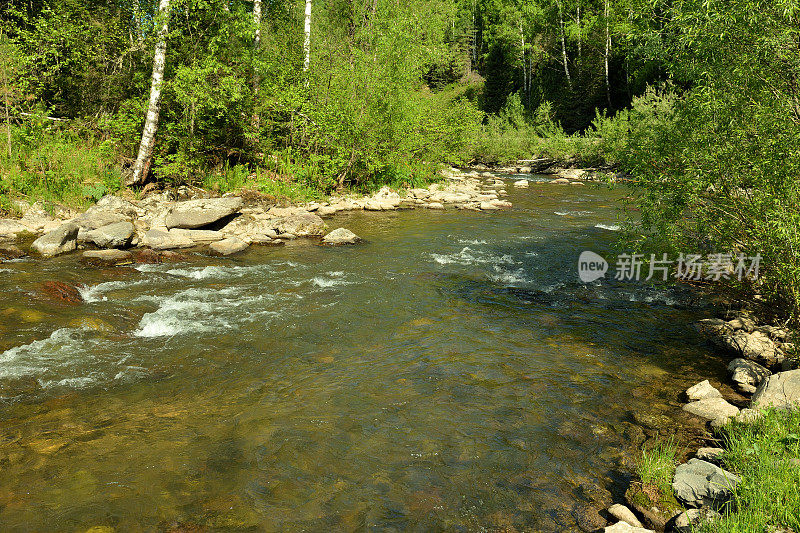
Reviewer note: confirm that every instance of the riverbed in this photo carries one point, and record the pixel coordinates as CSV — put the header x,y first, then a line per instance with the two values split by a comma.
x,y
449,372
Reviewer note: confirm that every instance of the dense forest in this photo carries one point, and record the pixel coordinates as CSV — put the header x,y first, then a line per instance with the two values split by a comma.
x,y
696,102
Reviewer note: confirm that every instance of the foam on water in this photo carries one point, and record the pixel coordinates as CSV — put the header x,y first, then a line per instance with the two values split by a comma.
x,y
573,213
468,256
609,227
95,293
502,275
335,279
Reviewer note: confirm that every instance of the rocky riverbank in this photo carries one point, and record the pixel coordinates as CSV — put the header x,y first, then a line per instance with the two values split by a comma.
x,y
193,218
762,366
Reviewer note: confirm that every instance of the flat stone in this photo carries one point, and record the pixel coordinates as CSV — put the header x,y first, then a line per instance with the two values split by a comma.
x,y
781,390
327,210
9,229
711,408
745,323
198,235
198,213
106,257
624,527
699,483
158,239
58,241
341,236
623,514
702,391
434,205
116,235
521,184
711,455
488,206
560,181
228,246
302,225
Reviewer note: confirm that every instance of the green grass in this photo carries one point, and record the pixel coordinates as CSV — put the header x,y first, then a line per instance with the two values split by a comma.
x,y
656,466
766,455
238,177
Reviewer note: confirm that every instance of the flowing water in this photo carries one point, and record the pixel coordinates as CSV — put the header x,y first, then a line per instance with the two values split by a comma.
x,y
450,373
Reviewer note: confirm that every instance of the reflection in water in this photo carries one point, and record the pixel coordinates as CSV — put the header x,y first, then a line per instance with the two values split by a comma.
x,y
450,373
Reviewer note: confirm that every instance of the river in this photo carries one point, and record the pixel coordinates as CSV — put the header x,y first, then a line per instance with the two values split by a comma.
x,y
449,373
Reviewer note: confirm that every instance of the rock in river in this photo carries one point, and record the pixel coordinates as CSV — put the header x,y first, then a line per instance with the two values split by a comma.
x,y
228,246
106,257
747,374
302,225
58,241
117,235
198,213
711,408
699,483
623,514
624,527
702,391
341,236
780,390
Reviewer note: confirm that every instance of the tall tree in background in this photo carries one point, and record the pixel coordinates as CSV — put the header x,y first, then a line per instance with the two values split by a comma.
x,y
142,165
307,38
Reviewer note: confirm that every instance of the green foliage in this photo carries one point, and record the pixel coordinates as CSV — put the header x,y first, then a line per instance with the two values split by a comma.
x,y
656,466
764,454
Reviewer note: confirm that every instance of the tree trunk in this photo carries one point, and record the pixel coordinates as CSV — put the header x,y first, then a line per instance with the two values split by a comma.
x,y
307,40
606,53
257,22
580,45
6,90
563,44
142,165
524,70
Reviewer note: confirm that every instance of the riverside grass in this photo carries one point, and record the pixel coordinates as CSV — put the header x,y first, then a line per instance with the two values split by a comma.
x,y
765,454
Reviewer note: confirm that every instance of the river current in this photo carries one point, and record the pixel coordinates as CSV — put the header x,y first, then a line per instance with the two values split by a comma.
x,y
449,373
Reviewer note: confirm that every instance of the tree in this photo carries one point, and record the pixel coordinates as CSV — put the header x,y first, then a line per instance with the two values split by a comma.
x,y
142,165
307,38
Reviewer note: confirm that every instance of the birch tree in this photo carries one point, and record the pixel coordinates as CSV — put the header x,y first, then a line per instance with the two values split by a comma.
x,y
563,44
307,39
142,165
607,50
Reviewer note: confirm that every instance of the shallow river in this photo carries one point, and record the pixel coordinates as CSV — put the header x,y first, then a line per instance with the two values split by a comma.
x,y
450,373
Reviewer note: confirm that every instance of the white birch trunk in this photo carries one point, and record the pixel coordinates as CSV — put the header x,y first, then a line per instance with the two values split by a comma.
x,y
580,44
307,40
257,21
563,45
607,52
142,165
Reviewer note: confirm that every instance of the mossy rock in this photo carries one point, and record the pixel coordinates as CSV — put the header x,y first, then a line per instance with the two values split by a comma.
x,y
650,503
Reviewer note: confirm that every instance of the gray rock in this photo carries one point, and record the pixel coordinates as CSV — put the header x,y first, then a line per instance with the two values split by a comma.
x,y
623,514
744,323
756,346
341,236
711,455
228,246
198,213
302,225
327,210
712,328
699,483
117,235
166,240
521,184
711,408
623,527
9,229
702,391
747,374
780,390
58,241
690,520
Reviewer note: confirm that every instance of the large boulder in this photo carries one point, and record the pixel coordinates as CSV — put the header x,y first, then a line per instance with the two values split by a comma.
x,y
341,236
58,241
117,235
701,484
780,390
747,374
756,346
198,213
302,225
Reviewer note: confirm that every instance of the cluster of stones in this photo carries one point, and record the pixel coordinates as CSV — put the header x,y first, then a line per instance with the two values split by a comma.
x,y
225,225
759,366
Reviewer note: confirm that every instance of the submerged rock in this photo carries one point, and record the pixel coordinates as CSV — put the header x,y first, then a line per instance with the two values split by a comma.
x,y
61,292
699,483
58,241
655,508
341,236
198,213
781,390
